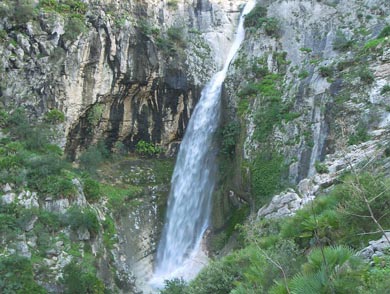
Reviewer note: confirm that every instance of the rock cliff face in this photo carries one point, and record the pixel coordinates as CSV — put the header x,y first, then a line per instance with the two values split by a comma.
x,y
133,73
310,82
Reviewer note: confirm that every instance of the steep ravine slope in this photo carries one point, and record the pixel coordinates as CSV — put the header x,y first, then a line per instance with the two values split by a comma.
x,y
307,96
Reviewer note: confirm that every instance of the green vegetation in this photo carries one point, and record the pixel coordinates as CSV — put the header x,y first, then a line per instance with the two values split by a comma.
x,y
64,6
266,173
326,71
144,148
303,74
28,157
385,32
16,276
117,196
173,42
360,135
80,279
91,158
229,136
257,19
313,251
341,43
321,167
83,219
173,3
306,50
385,89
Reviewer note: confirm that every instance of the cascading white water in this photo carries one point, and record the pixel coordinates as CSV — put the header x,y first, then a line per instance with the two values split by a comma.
x,y
193,180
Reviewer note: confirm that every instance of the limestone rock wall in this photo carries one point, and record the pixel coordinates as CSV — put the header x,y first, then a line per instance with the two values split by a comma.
x,y
134,73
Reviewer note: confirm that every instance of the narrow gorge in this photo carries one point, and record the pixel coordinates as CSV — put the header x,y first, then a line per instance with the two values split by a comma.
x,y
131,163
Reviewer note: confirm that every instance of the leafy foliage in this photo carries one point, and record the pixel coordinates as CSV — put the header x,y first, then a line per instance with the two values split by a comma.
x,y
147,149
266,172
16,276
229,136
81,280
78,219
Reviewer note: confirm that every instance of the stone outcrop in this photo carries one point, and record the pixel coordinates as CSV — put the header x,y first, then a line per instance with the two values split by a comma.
x,y
376,248
289,201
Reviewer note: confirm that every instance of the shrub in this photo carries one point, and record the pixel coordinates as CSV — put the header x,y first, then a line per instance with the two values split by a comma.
x,y
54,116
91,158
91,189
174,286
385,32
95,114
117,195
326,71
16,276
175,34
321,167
256,17
271,27
147,149
172,3
366,75
229,136
328,270
303,74
73,28
78,279
360,135
87,219
341,43
266,173
385,89
23,11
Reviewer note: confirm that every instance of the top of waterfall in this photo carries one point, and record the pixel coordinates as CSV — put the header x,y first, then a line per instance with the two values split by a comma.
x,y
240,35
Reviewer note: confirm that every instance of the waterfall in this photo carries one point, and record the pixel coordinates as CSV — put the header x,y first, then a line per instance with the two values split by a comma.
x,y
193,180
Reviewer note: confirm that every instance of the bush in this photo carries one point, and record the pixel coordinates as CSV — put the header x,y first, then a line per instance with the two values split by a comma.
x,y
174,286
321,167
95,114
91,158
86,219
91,190
360,135
147,149
23,11
366,75
385,32
16,276
271,27
73,28
266,173
78,279
341,43
326,71
54,116
256,17
229,137
385,89
172,3
328,270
